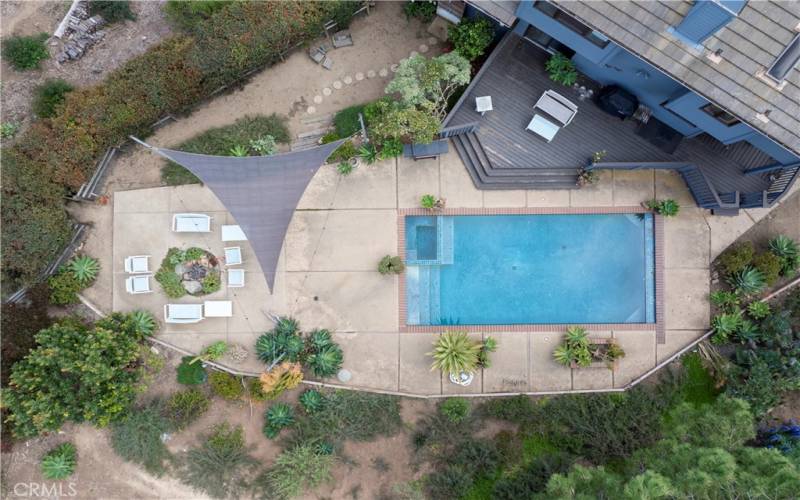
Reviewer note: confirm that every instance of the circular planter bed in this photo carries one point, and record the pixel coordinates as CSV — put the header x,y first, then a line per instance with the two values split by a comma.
x,y
193,271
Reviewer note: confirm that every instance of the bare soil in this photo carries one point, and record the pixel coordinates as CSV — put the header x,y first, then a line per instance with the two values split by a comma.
x,y
122,41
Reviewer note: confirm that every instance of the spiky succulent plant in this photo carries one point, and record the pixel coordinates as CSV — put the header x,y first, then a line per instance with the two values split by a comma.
x,y
748,281
143,322
454,353
724,326
59,463
278,416
326,361
758,309
312,401
84,269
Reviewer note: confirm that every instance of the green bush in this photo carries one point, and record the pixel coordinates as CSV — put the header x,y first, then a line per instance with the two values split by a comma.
x,y
346,121
84,268
113,11
736,257
769,265
76,373
64,288
277,417
137,438
25,52
455,409
471,37
326,360
211,282
173,174
49,95
789,253
220,466
18,324
344,167
368,154
424,10
758,309
344,152
726,301
298,469
532,477
59,463
516,409
391,148
391,265
281,343
226,385
185,407
561,70
748,281
170,283
8,130
191,373
186,15
312,401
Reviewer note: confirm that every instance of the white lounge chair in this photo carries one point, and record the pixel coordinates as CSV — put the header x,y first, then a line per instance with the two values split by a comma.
x,y
233,256
233,233
553,111
137,264
191,223
217,309
138,284
183,313
235,278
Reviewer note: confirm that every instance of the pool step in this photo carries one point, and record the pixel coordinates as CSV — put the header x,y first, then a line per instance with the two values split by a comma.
x,y
485,176
445,226
650,266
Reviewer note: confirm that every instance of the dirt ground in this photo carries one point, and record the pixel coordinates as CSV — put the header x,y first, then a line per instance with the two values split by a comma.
x,y
122,41
380,40
102,474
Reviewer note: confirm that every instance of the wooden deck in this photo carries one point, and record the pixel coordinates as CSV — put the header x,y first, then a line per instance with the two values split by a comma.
x,y
514,76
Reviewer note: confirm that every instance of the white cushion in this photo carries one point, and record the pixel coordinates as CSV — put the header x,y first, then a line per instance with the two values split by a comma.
x,y
218,308
233,256
233,233
191,223
235,278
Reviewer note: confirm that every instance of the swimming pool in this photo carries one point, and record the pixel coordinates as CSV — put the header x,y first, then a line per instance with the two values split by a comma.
x,y
530,269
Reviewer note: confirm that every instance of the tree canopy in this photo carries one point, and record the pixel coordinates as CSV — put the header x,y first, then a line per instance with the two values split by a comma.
x,y
428,83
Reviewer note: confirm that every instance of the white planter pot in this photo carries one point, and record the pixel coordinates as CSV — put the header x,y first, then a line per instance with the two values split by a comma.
x,y
462,379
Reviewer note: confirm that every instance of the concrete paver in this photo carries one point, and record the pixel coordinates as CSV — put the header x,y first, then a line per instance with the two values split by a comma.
x,y
509,369
496,199
546,374
548,198
457,187
599,194
416,178
686,240
415,364
640,355
371,359
632,187
686,299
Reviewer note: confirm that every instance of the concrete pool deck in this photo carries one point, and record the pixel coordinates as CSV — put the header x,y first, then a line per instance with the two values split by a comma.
x,y
327,275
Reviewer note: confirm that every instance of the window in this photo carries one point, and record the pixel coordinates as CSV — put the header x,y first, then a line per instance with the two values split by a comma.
x,y
720,114
570,22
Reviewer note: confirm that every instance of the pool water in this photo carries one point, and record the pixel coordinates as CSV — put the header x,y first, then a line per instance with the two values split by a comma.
x,y
530,269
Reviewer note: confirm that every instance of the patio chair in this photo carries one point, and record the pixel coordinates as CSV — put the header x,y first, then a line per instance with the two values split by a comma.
x,y
137,264
342,39
235,278
233,256
191,223
552,111
317,54
233,233
183,313
138,284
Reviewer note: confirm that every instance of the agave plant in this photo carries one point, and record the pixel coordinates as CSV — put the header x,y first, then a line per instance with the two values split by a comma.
x,y
326,361
758,309
455,353
368,153
789,253
282,343
84,269
748,281
287,325
143,322
59,463
724,326
725,300
318,339
312,401
574,348
278,416
488,346
238,150
747,331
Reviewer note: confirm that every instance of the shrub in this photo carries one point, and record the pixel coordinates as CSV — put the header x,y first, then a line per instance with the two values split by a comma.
x,y
786,249
561,70
212,352
25,52
666,208
428,201
64,288
736,258
726,423
516,409
454,352
137,438
391,148
113,11
59,463
449,483
455,409
211,282
280,378
185,407
488,346
726,301
226,385
312,401
344,167
296,470
8,130
758,309
368,154
757,385
532,477
76,373
346,121
329,137
255,390
49,95
391,265
769,265
264,146
187,15
191,373
574,348
170,283
471,37
277,417
18,324
173,174
344,152
748,281
84,268
281,343
220,466
424,10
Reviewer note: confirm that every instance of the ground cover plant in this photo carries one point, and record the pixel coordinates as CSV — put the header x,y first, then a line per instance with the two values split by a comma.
x,y
49,95
25,52
59,463
137,438
185,407
296,470
113,11
250,135
77,372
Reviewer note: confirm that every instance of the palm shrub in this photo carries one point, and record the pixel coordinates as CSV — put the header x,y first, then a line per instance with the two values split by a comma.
x,y
488,346
296,470
455,409
312,401
277,417
282,343
724,300
561,70
49,95
225,385
758,309
666,208
59,463
725,325
787,250
749,281
368,154
212,352
471,37
185,407
391,265
574,348
84,268
454,353
280,378
25,52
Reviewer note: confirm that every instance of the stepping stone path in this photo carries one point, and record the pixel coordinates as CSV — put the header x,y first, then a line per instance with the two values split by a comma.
x,y
318,99
423,48
370,74
433,40
414,53
337,84
348,80
393,67
359,76
383,72
311,110
327,91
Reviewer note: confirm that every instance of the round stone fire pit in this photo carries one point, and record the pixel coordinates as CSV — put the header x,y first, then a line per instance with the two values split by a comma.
x,y
194,271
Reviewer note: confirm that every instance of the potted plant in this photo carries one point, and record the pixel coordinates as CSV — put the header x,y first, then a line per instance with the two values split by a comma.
x,y
457,355
431,202
578,350
665,208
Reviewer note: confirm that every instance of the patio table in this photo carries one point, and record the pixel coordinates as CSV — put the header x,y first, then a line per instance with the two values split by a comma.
x,y
483,104
218,308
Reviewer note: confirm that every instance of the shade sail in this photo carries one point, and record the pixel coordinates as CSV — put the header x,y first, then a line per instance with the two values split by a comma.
x,y
261,192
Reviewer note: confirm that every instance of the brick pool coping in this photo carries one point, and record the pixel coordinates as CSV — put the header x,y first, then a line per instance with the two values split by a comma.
x,y
658,231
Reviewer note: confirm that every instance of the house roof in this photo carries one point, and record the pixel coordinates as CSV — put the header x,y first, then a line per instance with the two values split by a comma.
x,y
261,192
504,11
750,44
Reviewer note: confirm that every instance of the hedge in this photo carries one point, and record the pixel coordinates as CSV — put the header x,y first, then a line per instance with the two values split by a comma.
x,y
56,155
